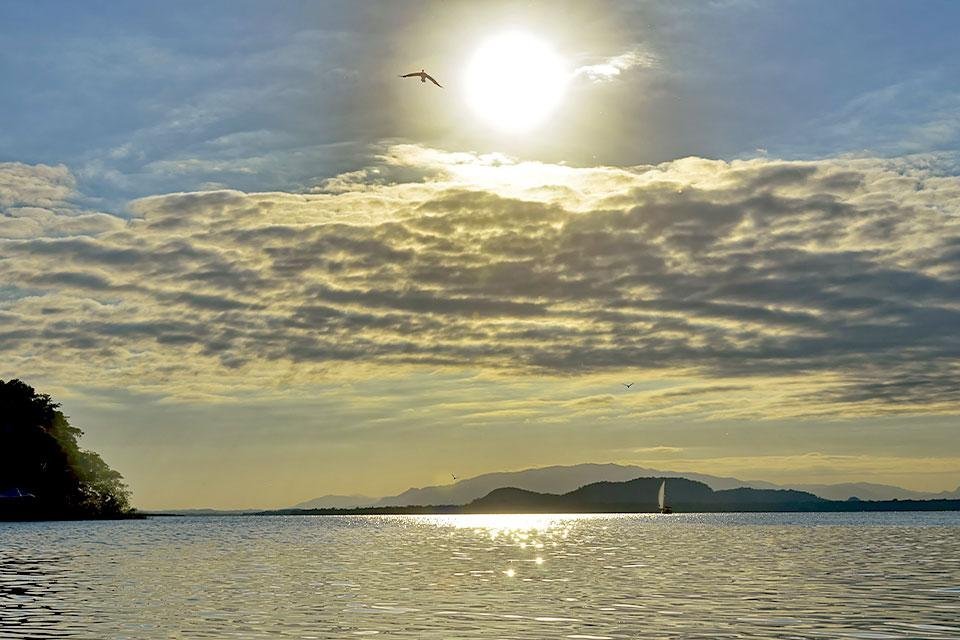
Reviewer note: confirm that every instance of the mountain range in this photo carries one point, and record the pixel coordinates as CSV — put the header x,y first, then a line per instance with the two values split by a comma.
x,y
639,495
564,479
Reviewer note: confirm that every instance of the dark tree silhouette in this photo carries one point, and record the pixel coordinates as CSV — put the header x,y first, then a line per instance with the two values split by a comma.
x,y
43,471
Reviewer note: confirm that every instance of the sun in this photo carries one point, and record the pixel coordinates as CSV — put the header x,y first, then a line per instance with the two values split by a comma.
x,y
515,81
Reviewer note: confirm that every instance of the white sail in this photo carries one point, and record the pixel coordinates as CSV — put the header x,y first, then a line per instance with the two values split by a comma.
x,y
663,493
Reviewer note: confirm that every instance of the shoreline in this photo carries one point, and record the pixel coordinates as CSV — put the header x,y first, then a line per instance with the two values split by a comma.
x,y
887,506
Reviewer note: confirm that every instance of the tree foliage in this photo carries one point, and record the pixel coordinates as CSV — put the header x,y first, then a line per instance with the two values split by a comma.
x,y
39,456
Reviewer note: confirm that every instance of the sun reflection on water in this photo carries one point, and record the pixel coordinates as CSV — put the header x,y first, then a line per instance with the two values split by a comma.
x,y
522,526
753,576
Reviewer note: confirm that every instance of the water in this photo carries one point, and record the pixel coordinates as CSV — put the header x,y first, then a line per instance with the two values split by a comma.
x,y
866,576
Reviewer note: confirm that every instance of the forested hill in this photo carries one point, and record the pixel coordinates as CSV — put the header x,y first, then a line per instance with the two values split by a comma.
x,y
640,495
44,474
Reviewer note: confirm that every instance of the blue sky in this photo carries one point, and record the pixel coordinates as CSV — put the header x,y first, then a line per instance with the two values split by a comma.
x,y
220,221
140,98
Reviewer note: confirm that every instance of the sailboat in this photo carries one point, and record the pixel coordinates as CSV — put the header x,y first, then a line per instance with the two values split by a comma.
x,y
662,498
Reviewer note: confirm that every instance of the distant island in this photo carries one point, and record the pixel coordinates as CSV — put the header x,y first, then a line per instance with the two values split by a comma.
x,y
640,496
44,474
563,479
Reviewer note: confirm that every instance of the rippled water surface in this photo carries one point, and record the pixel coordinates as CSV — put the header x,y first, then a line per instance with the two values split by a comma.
x,y
632,576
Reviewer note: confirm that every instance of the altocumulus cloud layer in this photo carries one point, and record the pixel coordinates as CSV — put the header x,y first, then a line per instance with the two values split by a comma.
x,y
838,280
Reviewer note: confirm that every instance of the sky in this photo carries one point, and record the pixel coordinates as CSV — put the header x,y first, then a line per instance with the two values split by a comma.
x,y
255,266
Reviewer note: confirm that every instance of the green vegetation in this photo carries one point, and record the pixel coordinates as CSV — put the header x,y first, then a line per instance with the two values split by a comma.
x,y
43,471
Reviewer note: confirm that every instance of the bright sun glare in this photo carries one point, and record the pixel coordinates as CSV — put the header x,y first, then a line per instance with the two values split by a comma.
x,y
515,81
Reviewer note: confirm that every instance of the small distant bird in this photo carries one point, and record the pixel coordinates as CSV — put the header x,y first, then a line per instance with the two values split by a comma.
x,y
627,385
453,476
424,76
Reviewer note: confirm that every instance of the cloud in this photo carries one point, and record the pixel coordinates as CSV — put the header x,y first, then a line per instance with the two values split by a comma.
x,y
34,185
657,450
38,200
611,68
779,288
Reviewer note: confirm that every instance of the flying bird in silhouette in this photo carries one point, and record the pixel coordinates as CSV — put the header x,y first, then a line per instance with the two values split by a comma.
x,y
627,385
453,476
423,75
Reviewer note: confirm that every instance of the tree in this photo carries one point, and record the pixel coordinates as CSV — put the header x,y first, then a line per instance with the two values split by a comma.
x,y
40,458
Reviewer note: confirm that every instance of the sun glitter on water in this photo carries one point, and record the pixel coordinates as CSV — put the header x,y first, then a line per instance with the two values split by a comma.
x,y
515,81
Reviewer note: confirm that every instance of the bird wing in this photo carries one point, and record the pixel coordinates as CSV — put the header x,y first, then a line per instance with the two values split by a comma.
x,y
431,79
410,75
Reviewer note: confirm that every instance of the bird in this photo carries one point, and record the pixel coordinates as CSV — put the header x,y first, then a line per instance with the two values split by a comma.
x,y
453,476
423,75
627,385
